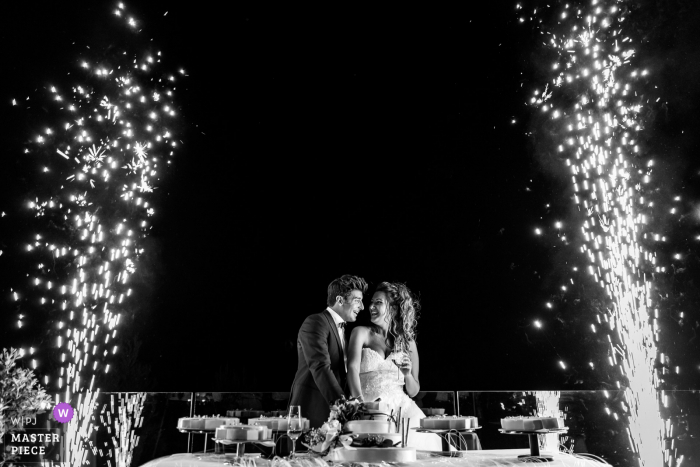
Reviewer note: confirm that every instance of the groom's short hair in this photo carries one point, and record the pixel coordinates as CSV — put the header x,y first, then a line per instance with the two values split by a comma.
x,y
343,286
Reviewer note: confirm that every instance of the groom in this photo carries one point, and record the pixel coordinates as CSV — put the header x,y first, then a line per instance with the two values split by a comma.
x,y
321,343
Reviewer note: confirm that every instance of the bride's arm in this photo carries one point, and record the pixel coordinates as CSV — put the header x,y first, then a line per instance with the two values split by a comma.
x,y
411,375
358,339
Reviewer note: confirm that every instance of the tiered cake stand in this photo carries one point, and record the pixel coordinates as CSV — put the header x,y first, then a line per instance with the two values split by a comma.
x,y
239,442
198,432
535,455
449,434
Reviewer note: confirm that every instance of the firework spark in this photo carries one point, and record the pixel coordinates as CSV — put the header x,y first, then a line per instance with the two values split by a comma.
x,y
121,420
593,103
101,158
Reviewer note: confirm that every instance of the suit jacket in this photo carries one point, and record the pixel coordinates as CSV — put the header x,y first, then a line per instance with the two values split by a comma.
x,y
321,377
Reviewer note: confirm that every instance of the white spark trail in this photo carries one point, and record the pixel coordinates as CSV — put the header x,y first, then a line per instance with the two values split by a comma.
x,y
594,101
94,214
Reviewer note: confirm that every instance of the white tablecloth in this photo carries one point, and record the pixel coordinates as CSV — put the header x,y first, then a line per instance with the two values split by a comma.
x,y
485,458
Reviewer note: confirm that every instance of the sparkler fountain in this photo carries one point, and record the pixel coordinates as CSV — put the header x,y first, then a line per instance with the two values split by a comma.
x,y
111,140
548,406
592,103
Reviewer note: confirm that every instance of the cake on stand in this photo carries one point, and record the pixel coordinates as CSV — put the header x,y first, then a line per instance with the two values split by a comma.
x,y
533,437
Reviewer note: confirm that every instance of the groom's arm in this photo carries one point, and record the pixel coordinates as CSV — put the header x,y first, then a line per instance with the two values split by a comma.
x,y
358,338
313,337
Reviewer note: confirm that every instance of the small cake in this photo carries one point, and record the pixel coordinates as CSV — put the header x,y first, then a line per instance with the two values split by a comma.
x,y
449,422
190,423
276,423
531,423
430,412
212,423
243,432
374,455
370,426
205,423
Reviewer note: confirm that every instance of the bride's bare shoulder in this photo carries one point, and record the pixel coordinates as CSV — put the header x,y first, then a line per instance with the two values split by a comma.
x,y
361,330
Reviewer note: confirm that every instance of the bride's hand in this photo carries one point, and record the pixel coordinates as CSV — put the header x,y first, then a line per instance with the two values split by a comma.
x,y
405,365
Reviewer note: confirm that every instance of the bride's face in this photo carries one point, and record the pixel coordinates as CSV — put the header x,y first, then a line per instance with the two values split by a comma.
x,y
378,309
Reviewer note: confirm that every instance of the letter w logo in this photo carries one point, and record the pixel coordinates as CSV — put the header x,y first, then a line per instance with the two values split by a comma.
x,y
63,413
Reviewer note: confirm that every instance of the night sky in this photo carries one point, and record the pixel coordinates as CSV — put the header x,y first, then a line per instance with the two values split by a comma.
x,y
395,145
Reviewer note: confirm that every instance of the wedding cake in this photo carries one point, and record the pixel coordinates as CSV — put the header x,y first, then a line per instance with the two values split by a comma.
x,y
449,422
373,441
376,410
376,405
370,426
205,423
531,423
374,455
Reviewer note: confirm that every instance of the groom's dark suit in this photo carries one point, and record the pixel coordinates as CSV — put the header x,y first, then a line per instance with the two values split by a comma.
x,y
321,374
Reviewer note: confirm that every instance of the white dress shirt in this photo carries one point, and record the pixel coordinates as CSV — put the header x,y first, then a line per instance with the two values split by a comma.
x,y
341,333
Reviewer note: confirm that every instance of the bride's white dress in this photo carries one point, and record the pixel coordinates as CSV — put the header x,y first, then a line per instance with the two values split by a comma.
x,y
381,379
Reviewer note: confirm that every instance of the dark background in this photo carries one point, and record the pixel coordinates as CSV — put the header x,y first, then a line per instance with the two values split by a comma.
x,y
395,145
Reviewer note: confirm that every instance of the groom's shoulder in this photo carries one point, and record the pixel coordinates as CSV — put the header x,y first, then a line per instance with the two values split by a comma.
x,y
316,317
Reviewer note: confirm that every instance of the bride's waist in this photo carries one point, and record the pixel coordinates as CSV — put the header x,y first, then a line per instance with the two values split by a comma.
x,y
395,374
383,377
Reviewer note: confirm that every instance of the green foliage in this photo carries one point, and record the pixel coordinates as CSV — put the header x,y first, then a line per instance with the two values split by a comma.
x,y
21,396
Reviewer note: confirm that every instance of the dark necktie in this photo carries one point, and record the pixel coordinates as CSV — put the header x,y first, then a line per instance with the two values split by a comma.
x,y
341,332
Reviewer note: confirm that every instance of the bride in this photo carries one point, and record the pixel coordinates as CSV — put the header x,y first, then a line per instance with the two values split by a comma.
x,y
383,358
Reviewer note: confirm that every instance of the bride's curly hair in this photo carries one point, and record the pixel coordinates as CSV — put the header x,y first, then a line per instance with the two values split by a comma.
x,y
402,314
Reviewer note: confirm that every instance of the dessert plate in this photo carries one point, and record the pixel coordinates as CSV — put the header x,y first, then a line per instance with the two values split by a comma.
x,y
442,430
537,432
197,430
264,442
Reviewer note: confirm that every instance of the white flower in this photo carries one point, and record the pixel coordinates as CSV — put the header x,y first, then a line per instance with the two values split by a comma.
x,y
333,425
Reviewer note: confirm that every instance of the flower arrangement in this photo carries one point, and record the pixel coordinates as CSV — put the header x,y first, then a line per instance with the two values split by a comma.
x,y
329,436
344,410
322,440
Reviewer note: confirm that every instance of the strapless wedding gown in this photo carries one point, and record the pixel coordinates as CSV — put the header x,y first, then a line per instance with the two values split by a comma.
x,y
381,379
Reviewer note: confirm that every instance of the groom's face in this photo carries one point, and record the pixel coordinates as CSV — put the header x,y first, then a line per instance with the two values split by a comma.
x,y
351,306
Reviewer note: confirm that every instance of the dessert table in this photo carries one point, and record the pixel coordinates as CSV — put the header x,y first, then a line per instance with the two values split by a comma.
x,y
486,458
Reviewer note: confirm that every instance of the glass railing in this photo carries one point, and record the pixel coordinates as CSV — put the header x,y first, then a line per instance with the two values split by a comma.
x,y
595,420
591,428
